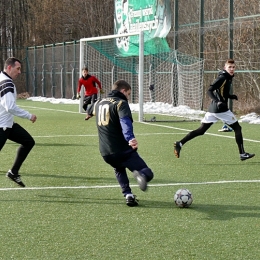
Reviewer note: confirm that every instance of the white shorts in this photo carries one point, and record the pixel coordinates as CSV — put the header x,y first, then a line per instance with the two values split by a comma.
x,y
226,117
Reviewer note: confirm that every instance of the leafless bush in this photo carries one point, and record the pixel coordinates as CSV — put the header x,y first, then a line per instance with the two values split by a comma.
x,y
23,95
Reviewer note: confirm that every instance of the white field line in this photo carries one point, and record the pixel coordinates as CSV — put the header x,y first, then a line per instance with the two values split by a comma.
x,y
153,124
117,186
148,134
51,109
188,130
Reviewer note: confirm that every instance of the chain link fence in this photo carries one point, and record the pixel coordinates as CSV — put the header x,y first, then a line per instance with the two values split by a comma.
x,y
53,70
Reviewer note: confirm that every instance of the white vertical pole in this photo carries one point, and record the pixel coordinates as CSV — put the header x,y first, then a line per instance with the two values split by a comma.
x,y
81,64
141,76
172,83
72,82
61,81
149,83
112,77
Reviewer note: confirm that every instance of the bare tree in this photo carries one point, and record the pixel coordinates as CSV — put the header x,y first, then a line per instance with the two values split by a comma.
x,y
64,20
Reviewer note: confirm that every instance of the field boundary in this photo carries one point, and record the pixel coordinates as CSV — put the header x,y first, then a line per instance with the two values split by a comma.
x,y
117,186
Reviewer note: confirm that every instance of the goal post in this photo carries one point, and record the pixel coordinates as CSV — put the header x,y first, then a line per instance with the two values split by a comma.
x,y
141,76
86,59
157,74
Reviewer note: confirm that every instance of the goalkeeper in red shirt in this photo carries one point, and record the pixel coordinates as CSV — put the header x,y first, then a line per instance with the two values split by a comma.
x,y
90,84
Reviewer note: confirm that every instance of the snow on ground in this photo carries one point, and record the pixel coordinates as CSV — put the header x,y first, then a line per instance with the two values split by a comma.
x,y
156,108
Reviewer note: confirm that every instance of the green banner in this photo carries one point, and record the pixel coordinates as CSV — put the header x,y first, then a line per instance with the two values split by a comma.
x,y
151,16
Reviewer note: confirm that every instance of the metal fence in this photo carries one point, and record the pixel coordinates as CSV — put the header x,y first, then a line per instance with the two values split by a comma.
x,y
53,70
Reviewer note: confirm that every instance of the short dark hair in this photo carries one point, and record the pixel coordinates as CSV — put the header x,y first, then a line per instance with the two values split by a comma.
x,y
121,84
11,61
230,61
85,68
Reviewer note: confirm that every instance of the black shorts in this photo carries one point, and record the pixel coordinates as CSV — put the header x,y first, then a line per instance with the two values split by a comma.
x,y
129,159
89,100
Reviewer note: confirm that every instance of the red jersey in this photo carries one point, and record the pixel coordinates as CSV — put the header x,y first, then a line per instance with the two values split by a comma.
x,y
89,83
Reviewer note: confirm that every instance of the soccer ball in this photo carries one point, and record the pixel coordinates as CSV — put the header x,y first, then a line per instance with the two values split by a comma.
x,y
183,198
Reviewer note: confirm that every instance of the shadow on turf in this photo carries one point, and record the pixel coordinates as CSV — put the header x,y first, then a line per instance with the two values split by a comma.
x,y
227,212
211,212
57,144
103,180
73,200
62,144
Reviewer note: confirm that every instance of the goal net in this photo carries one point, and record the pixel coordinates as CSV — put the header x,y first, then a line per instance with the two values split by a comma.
x,y
162,79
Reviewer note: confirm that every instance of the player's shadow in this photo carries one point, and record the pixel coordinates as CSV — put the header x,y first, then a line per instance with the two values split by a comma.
x,y
68,199
92,180
211,212
53,144
62,144
226,212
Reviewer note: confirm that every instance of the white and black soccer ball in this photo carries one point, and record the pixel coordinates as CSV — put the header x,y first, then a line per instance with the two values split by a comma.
x,y
183,198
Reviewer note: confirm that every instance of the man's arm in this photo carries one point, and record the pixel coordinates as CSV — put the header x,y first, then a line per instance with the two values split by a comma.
x,y
9,103
79,88
98,82
127,130
214,86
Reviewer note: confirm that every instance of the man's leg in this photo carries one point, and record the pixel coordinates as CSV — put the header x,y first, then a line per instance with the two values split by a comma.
x,y
19,135
120,172
239,140
93,98
142,173
200,131
90,102
123,181
86,102
135,164
3,137
132,161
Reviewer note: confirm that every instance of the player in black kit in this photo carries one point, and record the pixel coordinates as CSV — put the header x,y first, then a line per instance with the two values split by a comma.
x,y
117,143
219,92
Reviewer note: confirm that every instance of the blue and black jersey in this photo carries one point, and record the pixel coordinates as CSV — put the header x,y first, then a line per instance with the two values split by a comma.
x,y
114,122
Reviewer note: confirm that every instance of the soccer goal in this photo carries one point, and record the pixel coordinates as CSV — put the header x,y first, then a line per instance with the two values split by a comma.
x,y
161,78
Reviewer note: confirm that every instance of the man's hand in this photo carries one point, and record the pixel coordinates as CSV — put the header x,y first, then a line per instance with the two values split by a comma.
x,y
102,91
33,118
78,95
222,106
233,97
133,143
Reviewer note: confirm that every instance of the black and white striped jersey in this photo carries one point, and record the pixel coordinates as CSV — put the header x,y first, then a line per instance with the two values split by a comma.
x,y
8,107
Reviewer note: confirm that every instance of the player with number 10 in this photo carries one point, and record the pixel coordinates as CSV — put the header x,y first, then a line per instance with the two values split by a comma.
x,y
117,142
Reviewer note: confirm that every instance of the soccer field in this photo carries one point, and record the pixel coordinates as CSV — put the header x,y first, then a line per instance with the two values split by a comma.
x,y
72,207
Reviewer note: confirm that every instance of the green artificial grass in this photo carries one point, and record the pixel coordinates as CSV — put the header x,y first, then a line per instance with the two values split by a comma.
x,y
72,206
